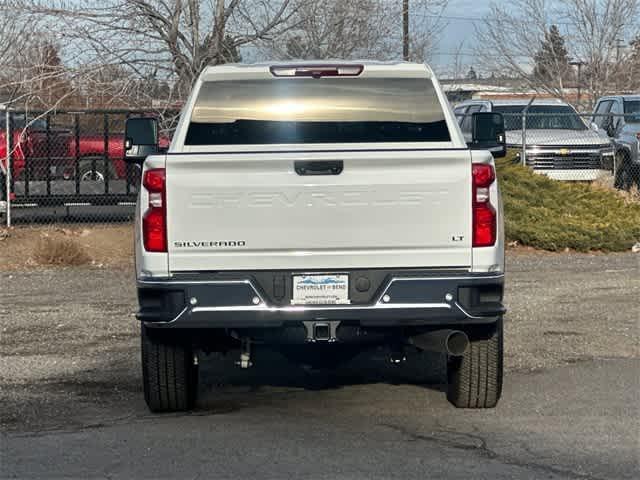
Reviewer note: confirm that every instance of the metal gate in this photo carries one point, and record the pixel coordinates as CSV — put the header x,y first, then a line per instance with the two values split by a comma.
x,y
69,165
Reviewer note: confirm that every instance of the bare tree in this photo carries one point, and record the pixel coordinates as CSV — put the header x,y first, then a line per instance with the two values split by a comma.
x,y
170,40
358,29
632,77
33,73
109,48
336,29
597,28
510,38
426,25
22,55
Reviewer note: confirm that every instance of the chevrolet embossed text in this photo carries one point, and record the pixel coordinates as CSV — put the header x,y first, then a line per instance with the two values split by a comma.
x,y
356,198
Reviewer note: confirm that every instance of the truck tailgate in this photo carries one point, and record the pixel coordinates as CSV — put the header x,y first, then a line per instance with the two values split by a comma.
x,y
252,211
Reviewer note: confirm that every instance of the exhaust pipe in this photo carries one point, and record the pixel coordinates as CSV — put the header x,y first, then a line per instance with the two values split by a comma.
x,y
451,342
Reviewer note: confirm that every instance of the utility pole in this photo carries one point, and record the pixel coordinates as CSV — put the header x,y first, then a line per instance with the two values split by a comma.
x,y
405,30
579,64
619,46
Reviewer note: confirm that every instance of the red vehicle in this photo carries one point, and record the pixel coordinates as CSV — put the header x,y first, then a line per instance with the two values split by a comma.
x,y
55,158
91,155
30,142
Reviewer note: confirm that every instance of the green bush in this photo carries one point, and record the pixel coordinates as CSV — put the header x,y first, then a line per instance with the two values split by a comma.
x,y
553,215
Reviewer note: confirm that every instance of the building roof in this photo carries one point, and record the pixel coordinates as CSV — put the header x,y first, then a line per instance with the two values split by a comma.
x,y
517,102
474,87
525,101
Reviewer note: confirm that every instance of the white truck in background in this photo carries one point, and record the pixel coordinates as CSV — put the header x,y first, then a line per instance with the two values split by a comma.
x,y
321,209
559,144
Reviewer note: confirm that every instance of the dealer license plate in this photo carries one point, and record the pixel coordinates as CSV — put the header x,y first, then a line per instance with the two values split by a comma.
x,y
320,290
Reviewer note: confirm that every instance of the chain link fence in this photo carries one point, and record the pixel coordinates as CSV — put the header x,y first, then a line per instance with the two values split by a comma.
x,y
68,166
574,147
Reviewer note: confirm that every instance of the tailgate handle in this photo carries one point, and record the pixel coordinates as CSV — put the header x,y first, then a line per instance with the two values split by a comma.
x,y
314,167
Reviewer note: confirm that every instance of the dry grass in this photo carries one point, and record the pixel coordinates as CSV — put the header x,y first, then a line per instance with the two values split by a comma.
x,y
606,183
60,251
97,245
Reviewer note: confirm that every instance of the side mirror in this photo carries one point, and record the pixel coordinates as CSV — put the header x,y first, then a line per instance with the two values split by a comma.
x,y
610,126
140,139
487,133
617,122
594,126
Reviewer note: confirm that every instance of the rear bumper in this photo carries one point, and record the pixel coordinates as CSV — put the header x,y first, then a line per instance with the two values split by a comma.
x,y
245,300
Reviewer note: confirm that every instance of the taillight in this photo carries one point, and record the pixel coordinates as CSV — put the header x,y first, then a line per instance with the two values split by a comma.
x,y
484,215
154,221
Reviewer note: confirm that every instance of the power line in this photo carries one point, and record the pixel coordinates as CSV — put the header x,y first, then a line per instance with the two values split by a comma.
x,y
467,54
479,19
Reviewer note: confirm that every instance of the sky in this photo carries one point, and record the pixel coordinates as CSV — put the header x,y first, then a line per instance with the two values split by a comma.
x,y
458,30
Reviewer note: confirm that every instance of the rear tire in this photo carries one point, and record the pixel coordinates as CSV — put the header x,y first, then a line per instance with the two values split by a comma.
x,y
475,379
169,377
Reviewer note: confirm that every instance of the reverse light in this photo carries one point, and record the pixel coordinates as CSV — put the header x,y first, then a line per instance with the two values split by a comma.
x,y
484,215
154,221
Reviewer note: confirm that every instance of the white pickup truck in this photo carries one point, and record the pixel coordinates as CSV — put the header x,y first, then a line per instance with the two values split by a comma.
x,y
321,209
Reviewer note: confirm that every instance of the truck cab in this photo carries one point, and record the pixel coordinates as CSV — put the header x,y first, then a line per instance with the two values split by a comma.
x,y
38,150
558,142
321,209
618,117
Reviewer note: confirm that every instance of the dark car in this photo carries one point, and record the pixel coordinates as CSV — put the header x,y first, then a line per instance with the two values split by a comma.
x,y
619,118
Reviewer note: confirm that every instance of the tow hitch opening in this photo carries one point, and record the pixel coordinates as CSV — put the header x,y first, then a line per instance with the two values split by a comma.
x,y
321,331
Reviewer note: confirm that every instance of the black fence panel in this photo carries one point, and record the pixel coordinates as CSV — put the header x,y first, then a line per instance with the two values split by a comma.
x,y
69,165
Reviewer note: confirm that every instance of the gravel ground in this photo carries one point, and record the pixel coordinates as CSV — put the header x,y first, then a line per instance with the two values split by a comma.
x,y
72,405
69,340
572,307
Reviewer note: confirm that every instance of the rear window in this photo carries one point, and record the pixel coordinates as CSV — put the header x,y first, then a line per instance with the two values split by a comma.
x,y
324,110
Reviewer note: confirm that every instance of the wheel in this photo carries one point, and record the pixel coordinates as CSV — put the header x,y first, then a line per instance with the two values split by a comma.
x,y
169,376
623,173
475,379
92,170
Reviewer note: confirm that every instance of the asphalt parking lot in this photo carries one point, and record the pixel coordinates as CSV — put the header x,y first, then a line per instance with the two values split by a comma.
x,y
72,405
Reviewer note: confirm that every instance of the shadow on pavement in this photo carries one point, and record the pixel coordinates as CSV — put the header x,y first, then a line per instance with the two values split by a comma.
x,y
219,376
111,390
